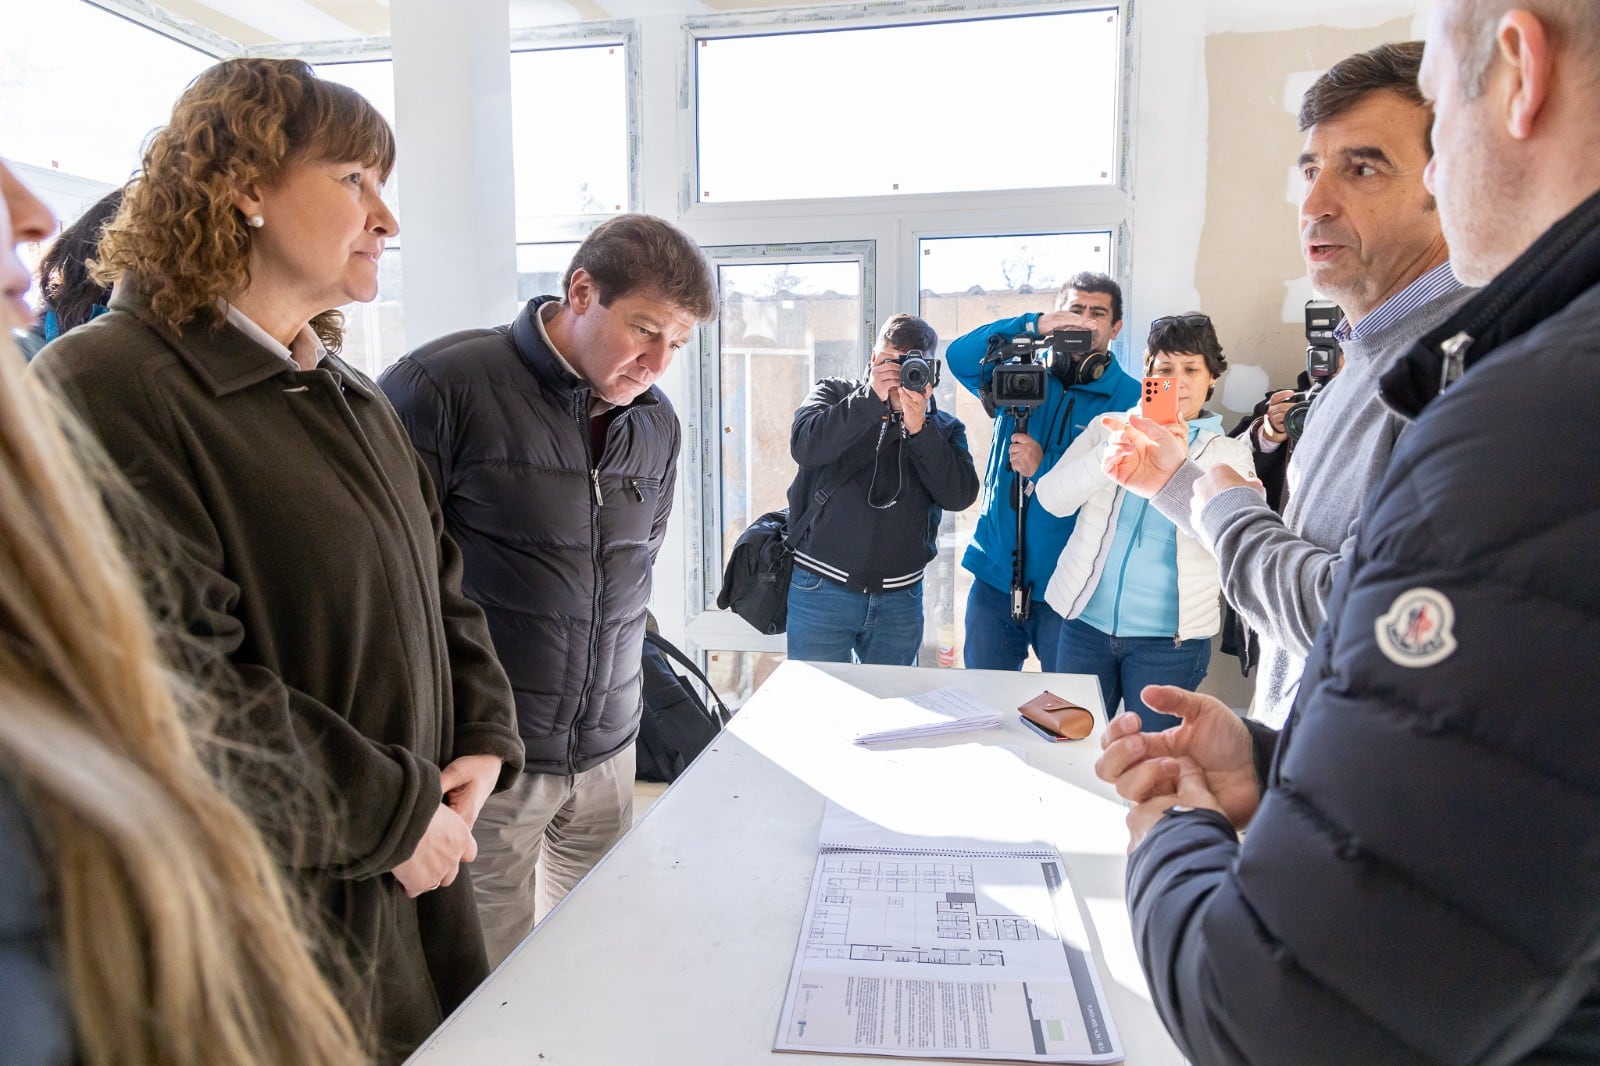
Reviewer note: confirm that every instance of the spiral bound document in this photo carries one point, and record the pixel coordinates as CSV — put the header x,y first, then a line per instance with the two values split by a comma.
x,y
966,945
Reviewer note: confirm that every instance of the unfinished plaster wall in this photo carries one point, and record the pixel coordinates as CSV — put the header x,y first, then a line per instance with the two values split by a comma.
x,y
1248,272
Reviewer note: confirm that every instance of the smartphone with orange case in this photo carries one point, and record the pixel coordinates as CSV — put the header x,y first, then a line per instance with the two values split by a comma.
x,y
1159,400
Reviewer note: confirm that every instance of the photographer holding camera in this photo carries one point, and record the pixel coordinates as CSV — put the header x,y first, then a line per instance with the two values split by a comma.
x,y
1279,420
879,466
1370,236
1077,389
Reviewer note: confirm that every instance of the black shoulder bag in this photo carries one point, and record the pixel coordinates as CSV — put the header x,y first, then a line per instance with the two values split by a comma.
x,y
755,584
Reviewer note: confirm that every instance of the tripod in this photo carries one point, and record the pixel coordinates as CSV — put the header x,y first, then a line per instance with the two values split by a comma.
x,y
1021,591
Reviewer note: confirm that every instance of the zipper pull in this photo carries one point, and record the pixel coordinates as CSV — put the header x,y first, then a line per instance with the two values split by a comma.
x,y
594,479
1455,357
633,487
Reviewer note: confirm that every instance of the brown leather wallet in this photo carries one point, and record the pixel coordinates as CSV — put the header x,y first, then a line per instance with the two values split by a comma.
x,y
1061,717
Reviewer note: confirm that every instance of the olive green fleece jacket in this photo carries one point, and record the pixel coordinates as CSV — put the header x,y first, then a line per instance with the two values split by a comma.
x,y
311,570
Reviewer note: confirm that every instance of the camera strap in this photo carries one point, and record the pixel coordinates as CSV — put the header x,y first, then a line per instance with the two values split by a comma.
x,y
799,528
900,469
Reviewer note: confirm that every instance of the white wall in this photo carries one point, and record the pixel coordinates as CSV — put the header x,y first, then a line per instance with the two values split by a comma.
x,y
1171,113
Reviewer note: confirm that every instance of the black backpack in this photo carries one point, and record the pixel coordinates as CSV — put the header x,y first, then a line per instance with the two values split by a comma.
x,y
676,724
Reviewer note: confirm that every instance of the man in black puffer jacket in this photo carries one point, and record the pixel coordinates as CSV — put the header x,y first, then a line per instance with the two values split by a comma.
x,y
554,458
1421,877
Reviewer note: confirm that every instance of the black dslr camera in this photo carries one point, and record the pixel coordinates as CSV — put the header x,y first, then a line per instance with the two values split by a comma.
x,y
1017,382
1322,362
918,370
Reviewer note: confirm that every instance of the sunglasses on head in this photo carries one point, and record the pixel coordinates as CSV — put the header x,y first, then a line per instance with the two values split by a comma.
x,y
1195,320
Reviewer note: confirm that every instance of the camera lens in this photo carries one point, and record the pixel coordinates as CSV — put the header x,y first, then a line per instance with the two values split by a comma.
x,y
1294,420
916,374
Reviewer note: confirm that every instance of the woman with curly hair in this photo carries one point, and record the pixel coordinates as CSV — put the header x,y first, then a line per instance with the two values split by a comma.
x,y
144,920
307,554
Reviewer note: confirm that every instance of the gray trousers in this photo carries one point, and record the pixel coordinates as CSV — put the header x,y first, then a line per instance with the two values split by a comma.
x,y
538,838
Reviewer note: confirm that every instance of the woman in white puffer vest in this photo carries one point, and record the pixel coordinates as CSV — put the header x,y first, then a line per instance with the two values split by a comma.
x,y
1140,599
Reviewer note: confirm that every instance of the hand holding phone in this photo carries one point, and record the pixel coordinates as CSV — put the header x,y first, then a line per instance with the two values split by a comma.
x,y
1159,400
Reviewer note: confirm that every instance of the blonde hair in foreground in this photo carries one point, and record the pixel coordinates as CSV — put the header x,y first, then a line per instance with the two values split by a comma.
x,y
175,934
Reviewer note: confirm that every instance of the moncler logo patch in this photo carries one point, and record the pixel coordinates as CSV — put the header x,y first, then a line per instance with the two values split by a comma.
x,y
1417,630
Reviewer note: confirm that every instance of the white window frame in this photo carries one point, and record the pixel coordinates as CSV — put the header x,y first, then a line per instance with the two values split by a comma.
x,y
877,16
555,229
722,630
892,225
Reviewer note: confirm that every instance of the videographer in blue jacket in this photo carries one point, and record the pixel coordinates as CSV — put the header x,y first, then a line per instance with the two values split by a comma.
x,y
1075,394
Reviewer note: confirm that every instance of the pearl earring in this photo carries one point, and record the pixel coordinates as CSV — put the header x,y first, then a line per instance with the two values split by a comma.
x,y
256,221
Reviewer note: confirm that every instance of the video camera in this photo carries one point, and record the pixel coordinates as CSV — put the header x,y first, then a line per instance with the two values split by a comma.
x,y
1017,382
1322,362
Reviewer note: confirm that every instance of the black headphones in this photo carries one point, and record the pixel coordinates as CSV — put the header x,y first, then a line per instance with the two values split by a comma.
x,y
1091,367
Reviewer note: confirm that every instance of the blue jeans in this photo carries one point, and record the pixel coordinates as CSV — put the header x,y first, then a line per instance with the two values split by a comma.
x,y
828,622
1125,665
995,642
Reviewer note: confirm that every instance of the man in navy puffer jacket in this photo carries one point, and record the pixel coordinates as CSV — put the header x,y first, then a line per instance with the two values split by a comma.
x,y
1421,877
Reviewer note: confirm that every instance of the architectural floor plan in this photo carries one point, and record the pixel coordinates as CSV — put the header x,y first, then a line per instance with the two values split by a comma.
x,y
959,955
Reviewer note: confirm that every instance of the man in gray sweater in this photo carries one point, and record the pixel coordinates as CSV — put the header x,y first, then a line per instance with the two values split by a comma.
x,y
1370,235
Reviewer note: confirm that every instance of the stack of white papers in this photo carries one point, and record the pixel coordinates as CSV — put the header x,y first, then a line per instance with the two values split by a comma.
x,y
929,714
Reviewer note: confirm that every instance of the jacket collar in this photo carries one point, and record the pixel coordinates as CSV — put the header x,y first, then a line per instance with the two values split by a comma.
x,y
528,339
1559,267
224,358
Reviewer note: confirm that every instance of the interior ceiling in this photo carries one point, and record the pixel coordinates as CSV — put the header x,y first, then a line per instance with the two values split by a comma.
x,y
252,22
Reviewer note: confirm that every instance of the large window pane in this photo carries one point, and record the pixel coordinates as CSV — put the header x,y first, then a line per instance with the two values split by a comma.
x,y
968,282
782,327
569,167
84,88
540,268
1000,103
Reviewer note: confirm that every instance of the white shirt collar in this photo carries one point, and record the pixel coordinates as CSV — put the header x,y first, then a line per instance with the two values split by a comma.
x,y
554,307
305,341
596,404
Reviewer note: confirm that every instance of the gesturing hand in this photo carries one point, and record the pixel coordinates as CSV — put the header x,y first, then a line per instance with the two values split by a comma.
x,y
1142,455
1145,765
